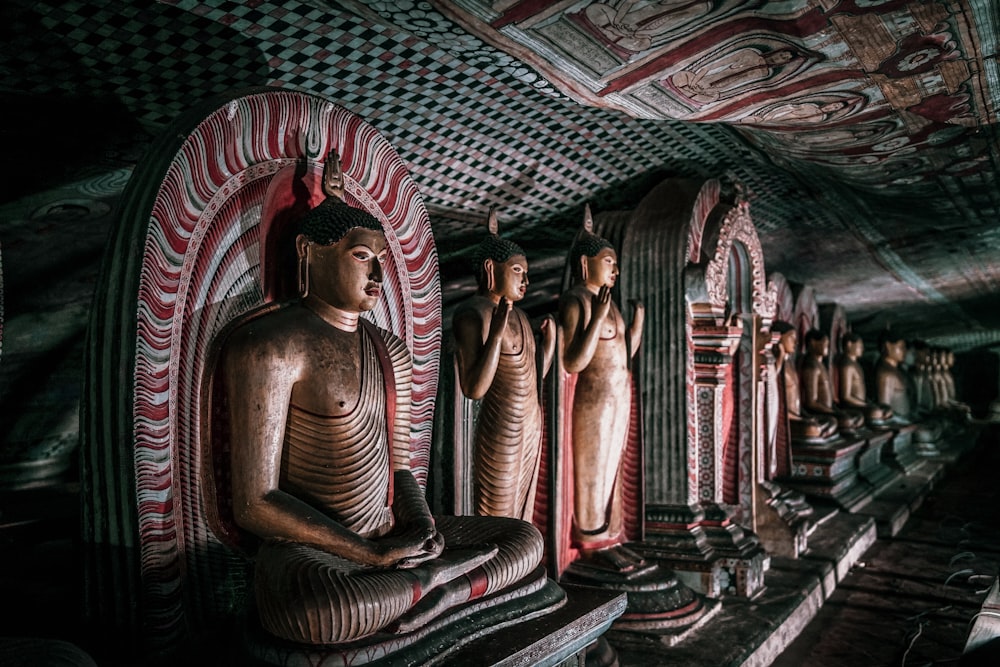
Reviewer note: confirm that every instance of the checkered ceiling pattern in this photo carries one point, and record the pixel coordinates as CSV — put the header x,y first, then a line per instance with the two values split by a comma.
x,y
476,126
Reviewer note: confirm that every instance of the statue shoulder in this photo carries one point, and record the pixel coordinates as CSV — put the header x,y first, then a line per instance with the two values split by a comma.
x,y
473,314
577,296
270,328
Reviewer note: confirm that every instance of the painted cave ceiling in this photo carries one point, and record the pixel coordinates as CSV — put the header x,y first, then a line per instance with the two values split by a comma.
x,y
865,131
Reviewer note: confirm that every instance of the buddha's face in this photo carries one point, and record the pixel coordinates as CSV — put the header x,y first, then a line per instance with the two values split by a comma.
x,y
819,346
602,268
510,278
789,341
895,350
348,274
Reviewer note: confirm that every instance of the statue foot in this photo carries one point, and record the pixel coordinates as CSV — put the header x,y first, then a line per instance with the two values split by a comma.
x,y
452,564
616,558
434,604
443,584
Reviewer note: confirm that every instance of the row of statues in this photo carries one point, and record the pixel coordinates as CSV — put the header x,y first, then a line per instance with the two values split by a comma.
x,y
816,412
345,545
495,355
318,403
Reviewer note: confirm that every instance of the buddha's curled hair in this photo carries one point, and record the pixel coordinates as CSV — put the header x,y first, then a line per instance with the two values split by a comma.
x,y
495,248
332,219
587,245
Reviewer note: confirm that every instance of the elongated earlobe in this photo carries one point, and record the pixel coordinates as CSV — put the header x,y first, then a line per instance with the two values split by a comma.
x,y
302,250
304,275
583,267
491,281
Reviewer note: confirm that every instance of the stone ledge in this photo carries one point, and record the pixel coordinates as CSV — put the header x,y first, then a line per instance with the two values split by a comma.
x,y
548,640
748,633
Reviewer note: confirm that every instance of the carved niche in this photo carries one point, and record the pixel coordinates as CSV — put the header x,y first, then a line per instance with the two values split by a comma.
x,y
688,230
195,248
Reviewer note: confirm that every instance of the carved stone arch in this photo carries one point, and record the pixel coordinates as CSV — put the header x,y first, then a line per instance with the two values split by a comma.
x,y
187,258
784,300
805,316
733,259
833,322
728,226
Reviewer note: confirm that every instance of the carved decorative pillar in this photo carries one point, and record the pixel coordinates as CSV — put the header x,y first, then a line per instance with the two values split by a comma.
x,y
713,347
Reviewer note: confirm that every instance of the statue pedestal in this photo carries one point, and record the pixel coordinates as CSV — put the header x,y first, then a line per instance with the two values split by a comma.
x,y
524,606
828,472
657,600
900,451
782,520
754,632
706,550
559,638
871,460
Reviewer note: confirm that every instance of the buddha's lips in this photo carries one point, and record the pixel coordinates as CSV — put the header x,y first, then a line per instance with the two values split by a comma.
x,y
373,289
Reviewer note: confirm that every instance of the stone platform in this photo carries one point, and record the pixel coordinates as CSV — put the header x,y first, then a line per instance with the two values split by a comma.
x,y
559,638
986,626
828,472
894,504
754,632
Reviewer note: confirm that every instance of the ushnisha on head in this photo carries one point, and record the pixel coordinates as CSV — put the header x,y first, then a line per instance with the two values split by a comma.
x,y
340,249
329,222
501,266
593,259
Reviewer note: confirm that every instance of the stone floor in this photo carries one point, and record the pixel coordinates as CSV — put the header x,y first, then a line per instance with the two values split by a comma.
x,y
911,599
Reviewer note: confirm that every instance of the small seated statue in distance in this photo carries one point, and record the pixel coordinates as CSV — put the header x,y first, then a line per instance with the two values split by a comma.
x,y
817,390
802,426
319,413
598,346
893,389
495,354
949,392
852,383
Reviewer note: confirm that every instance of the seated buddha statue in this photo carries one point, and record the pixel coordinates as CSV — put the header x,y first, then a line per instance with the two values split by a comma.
x,y
802,425
852,383
817,390
598,346
893,388
495,355
319,420
963,410
926,393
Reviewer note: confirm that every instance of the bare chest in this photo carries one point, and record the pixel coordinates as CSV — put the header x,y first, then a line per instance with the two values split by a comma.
x,y
331,379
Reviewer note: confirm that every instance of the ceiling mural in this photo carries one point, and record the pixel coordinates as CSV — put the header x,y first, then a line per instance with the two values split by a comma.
x,y
884,92
864,132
